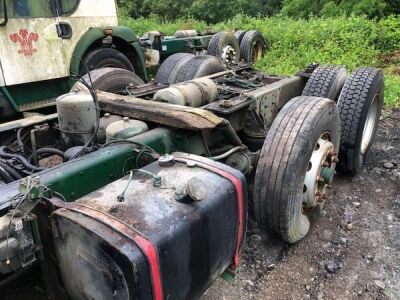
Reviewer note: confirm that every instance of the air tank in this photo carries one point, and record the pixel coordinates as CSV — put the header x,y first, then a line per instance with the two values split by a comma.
x,y
105,121
194,93
76,118
125,129
185,33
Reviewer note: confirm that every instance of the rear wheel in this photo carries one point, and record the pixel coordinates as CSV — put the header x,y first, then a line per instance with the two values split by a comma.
x,y
296,166
167,72
326,82
225,46
198,66
252,46
105,58
360,105
112,80
239,35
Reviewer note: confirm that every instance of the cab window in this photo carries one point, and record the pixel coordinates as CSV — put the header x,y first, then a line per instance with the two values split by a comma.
x,y
30,8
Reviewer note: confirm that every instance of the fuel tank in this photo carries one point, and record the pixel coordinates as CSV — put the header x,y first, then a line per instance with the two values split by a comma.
x,y
166,231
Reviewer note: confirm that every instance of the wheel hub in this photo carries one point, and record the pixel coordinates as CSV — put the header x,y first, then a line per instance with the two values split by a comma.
x,y
320,173
257,51
228,55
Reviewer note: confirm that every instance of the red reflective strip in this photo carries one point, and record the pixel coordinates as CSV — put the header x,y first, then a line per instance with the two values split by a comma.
x,y
239,190
151,254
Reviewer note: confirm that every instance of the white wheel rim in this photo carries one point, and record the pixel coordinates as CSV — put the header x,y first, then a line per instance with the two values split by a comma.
x,y
369,126
319,175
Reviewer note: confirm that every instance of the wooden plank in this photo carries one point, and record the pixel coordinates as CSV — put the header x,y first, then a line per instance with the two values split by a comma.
x,y
157,112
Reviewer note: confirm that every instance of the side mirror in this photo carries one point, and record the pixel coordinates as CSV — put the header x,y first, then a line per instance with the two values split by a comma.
x,y
3,13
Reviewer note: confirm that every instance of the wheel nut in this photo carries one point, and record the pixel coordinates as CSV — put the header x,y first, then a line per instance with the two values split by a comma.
x,y
318,194
329,186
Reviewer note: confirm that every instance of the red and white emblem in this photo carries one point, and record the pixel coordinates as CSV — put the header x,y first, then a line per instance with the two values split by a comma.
x,y
25,39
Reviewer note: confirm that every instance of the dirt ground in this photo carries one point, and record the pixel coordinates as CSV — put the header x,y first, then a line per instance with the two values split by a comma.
x,y
353,251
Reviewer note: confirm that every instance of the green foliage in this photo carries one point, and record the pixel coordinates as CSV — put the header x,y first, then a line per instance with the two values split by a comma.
x,y
293,44
220,10
392,90
329,8
208,11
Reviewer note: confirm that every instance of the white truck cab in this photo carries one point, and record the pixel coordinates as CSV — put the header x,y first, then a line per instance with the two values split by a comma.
x,y
43,42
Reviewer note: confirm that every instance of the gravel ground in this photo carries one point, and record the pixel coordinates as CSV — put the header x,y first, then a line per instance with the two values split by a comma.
x,y
353,251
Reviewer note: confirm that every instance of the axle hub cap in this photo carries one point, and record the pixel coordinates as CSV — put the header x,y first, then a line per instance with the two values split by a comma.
x,y
320,172
228,55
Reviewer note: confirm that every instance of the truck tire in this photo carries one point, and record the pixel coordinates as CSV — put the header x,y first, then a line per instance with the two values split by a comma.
x,y
225,46
252,46
198,66
239,35
301,143
360,105
168,69
112,80
105,58
326,82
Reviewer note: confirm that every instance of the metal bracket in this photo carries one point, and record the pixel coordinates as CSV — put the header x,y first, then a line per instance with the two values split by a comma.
x,y
33,191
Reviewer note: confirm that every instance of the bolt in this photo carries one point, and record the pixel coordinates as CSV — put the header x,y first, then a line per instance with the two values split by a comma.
x,y
318,194
157,181
329,186
324,196
226,104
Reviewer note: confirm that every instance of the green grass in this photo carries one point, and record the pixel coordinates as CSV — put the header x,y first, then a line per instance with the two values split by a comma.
x,y
293,44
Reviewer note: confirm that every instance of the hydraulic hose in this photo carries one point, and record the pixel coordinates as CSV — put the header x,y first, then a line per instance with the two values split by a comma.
x,y
14,174
49,151
22,159
5,176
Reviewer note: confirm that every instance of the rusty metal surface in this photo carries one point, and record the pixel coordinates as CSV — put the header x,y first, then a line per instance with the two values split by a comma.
x,y
145,206
204,232
26,122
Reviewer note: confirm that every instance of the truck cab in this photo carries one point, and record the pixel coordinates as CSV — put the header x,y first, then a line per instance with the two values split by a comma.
x,y
43,42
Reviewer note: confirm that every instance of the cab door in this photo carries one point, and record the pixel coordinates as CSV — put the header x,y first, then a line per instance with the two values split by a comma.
x,y
30,48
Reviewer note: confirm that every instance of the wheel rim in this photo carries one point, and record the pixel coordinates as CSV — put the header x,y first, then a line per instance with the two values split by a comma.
x,y
257,51
228,55
320,173
370,125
